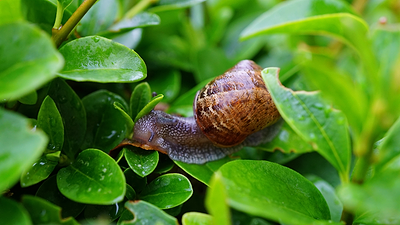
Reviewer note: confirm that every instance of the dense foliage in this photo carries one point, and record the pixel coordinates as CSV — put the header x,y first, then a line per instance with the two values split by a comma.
x,y
70,92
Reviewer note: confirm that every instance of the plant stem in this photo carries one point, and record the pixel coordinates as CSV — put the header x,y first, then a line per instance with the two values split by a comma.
x,y
142,5
62,34
59,15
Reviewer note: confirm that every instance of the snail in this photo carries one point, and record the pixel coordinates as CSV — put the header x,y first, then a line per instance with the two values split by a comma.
x,y
232,111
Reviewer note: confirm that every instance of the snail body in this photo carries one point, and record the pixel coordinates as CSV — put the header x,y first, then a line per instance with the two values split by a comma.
x,y
232,111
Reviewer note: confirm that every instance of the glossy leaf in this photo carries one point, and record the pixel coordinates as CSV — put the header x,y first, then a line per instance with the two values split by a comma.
x,y
287,141
43,212
166,5
50,121
150,106
314,120
167,191
93,178
140,97
99,18
130,192
143,19
135,181
203,172
13,212
40,170
195,218
98,59
20,147
141,161
73,114
146,213
49,191
127,118
334,85
10,11
389,148
301,16
29,60
106,126
245,182
380,194
335,205
217,202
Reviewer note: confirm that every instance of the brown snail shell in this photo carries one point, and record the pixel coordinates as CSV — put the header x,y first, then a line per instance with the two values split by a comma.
x,y
235,105
232,111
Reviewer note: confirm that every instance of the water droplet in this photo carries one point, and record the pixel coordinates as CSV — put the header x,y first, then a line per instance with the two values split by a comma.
x,y
312,136
139,165
104,170
89,189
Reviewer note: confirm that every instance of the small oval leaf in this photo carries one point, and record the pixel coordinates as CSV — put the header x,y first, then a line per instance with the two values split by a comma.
x,y
93,178
101,60
141,161
167,191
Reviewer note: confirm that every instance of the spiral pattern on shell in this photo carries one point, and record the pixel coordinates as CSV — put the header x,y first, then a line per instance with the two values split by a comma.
x,y
235,105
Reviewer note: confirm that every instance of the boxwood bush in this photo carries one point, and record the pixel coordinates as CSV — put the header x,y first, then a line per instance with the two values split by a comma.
x,y
75,76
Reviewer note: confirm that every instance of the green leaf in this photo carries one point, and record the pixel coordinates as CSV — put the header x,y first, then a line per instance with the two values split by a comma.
x,y
13,213
168,84
130,192
167,191
330,81
29,60
217,201
141,161
20,147
40,170
166,5
146,213
106,127
127,118
10,11
49,191
150,106
389,148
73,114
135,181
143,19
287,141
380,195
140,97
93,178
50,121
335,205
98,59
300,16
99,18
314,120
43,212
195,218
203,172
290,199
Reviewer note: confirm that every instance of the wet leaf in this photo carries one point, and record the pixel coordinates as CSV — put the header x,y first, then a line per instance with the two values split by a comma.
x,y
98,59
141,161
93,178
